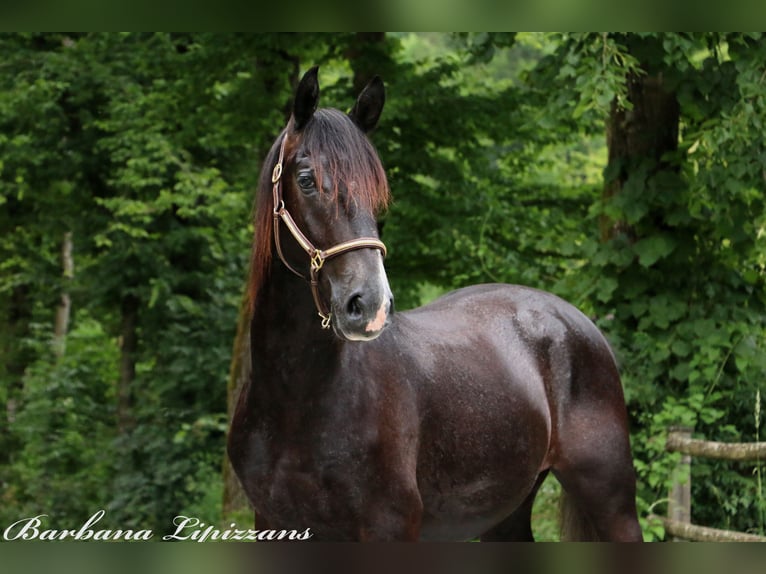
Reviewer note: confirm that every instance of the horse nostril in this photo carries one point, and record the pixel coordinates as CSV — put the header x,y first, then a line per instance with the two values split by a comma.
x,y
354,307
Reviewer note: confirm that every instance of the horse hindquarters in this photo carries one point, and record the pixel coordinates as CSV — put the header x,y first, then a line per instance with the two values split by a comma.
x,y
599,485
594,463
589,450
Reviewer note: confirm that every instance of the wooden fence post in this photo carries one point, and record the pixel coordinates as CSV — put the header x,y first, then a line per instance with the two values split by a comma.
x,y
678,524
680,496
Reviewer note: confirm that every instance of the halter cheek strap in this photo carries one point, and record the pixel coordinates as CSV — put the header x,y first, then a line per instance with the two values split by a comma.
x,y
317,257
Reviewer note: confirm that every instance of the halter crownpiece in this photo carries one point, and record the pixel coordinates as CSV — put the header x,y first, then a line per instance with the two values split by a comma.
x,y
317,257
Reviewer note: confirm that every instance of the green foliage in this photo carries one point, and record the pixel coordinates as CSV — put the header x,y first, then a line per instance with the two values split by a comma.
x,y
124,139
146,147
681,294
64,427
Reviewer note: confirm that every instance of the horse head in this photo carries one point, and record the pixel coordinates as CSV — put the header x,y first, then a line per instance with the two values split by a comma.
x,y
328,185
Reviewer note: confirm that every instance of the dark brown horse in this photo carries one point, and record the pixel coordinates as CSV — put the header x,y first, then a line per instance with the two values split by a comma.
x,y
438,423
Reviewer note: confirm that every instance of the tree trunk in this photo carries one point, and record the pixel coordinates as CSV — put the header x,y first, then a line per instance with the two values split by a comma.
x,y
367,56
128,348
63,311
646,133
234,499
16,316
15,319
272,67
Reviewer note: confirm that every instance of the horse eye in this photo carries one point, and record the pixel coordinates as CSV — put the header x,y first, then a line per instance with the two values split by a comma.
x,y
306,182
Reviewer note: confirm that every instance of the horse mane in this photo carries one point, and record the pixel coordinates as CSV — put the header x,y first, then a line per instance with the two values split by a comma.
x,y
354,166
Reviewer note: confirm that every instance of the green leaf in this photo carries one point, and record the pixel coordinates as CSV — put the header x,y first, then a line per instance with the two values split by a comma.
x,y
681,372
606,287
681,348
652,249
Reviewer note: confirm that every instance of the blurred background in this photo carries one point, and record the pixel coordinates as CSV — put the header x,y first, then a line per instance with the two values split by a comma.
x,y
624,172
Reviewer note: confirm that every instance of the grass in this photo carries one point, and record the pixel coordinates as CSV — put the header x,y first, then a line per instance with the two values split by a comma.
x,y
545,512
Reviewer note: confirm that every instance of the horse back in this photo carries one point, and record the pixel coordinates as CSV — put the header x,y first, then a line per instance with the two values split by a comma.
x,y
524,332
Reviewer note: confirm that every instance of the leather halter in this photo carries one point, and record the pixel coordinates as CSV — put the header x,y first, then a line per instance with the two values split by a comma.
x,y
317,257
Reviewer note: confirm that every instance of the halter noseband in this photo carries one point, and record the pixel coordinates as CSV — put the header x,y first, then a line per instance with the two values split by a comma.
x,y
317,257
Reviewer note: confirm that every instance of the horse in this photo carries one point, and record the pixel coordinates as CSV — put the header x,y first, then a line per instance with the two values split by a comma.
x,y
437,423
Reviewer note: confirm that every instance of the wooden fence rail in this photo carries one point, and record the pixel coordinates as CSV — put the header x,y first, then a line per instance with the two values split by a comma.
x,y
678,521
687,531
678,441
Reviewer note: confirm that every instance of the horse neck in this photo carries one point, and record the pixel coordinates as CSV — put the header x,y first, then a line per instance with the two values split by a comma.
x,y
289,349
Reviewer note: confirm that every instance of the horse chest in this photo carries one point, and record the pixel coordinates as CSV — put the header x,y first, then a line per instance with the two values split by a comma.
x,y
305,481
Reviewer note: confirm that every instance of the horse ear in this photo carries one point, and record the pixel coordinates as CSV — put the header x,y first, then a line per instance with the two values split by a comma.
x,y
369,105
306,98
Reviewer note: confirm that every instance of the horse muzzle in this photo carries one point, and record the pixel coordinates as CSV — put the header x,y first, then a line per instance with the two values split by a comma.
x,y
363,316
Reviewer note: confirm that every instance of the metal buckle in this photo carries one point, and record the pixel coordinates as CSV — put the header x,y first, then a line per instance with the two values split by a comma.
x,y
325,320
277,173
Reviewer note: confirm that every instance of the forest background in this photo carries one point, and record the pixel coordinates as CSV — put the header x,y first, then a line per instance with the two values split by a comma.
x,y
624,172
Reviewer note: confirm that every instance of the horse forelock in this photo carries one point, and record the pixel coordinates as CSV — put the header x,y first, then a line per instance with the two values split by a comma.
x,y
354,166
351,158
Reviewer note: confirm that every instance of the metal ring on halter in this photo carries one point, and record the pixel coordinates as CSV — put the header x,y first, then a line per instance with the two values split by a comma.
x,y
277,173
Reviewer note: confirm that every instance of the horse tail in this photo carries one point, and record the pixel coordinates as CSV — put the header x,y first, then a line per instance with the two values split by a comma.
x,y
575,524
